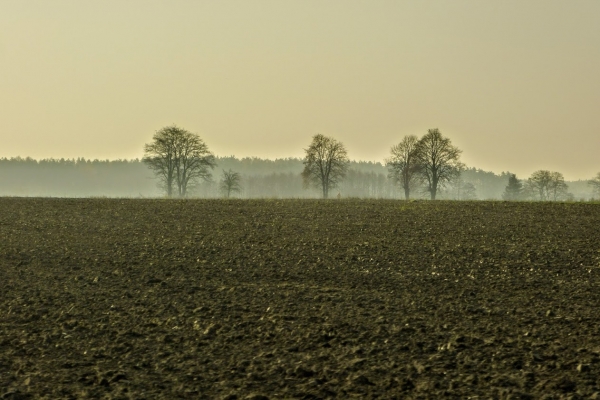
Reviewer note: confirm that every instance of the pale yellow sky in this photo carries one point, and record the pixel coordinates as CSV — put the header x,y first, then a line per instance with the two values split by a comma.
x,y
515,84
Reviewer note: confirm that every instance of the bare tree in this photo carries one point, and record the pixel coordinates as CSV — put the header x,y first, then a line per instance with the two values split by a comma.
x,y
467,191
595,184
179,159
439,160
558,188
230,183
545,185
538,185
325,164
404,165
160,158
460,190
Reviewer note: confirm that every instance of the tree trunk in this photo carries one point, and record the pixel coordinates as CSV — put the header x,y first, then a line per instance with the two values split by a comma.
x,y
433,189
169,185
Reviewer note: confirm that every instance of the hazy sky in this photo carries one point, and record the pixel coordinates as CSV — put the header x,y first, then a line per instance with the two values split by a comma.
x,y
515,84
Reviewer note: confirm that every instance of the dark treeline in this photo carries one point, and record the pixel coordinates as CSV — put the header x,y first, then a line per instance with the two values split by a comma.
x,y
279,178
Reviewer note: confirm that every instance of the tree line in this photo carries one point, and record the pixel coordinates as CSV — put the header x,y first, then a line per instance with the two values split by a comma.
x,y
542,185
252,177
180,159
426,165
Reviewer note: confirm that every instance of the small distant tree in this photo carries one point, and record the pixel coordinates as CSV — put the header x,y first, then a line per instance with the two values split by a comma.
x,y
458,189
538,185
514,189
439,160
179,159
230,183
595,184
545,185
558,189
465,190
403,165
325,164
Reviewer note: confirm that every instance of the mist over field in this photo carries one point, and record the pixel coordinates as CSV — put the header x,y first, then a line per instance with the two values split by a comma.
x,y
261,178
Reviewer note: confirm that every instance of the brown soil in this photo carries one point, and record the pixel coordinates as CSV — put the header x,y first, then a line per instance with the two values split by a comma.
x,y
298,299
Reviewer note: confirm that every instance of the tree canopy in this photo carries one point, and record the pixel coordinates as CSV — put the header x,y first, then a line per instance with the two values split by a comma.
x,y
180,159
545,185
230,183
514,189
439,160
404,165
325,164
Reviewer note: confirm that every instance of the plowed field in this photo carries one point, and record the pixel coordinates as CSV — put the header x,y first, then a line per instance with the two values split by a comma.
x,y
109,298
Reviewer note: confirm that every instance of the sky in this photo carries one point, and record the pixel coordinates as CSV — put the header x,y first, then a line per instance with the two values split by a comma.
x,y
514,84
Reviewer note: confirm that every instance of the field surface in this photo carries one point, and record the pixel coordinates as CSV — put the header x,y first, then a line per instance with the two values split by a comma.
x,y
109,298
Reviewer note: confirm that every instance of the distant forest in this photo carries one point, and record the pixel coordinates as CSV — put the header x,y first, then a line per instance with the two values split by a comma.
x,y
260,178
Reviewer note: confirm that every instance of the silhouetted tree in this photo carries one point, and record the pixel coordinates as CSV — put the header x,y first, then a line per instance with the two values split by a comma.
x,y
595,184
179,159
325,164
545,185
439,160
467,191
514,189
461,190
559,190
403,165
538,184
230,183
458,189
